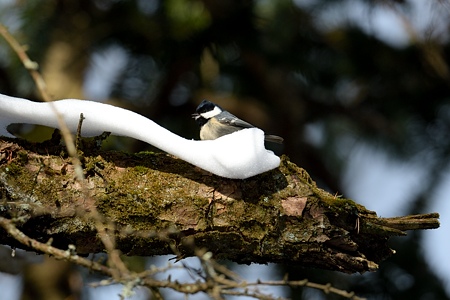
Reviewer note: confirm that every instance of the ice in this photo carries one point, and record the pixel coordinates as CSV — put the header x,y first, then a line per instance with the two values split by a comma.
x,y
239,155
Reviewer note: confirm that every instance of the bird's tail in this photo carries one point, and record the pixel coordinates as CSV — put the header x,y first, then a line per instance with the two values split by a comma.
x,y
273,138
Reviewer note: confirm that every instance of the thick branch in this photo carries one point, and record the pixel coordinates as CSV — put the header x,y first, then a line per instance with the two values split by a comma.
x,y
159,203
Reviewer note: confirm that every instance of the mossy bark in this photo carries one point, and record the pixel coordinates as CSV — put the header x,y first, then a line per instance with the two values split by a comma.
x,y
159,203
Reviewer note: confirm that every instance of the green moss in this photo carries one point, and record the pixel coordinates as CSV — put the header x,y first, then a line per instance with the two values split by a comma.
x,y
22,156
140,169
13,169
92,164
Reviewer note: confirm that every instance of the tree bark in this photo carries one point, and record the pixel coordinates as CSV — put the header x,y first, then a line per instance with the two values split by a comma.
x,y
161,205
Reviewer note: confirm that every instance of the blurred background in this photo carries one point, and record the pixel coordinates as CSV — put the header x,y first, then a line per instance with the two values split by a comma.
x,y
359,89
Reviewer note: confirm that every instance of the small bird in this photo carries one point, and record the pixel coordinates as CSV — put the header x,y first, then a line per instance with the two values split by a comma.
x,y
215,122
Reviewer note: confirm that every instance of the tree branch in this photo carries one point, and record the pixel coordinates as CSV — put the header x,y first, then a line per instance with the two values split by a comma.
x,y
161,205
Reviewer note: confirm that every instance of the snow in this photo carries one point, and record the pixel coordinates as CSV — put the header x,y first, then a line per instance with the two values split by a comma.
x,y
239,155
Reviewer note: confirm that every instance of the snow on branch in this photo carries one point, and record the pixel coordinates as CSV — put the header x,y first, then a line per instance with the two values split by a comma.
x,y
238,156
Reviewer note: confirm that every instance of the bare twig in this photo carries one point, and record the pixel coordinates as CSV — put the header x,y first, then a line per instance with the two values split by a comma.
x,y
32,67
217,285
106,234
235,286
9,226
78,137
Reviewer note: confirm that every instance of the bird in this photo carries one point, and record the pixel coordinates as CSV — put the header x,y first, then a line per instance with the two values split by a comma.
x,y
215,122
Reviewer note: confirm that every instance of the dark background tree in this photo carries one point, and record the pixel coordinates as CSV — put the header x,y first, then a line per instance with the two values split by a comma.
x,y
283,66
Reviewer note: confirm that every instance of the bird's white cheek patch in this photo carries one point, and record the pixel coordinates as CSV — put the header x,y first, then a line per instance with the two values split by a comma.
x,y
212,113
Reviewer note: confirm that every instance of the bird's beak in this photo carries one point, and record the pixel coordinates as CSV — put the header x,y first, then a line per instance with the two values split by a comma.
x,y
195,116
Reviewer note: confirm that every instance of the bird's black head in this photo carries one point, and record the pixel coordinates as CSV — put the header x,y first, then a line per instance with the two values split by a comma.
x,y
205,111
205,107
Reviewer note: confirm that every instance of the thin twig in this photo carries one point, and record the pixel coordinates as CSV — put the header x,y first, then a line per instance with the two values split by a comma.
x,y
30,65
41,86
9,226
217,284
107,239
80,124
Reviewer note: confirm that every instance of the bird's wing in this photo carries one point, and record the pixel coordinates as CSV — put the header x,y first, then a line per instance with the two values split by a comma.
x,y
230,119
